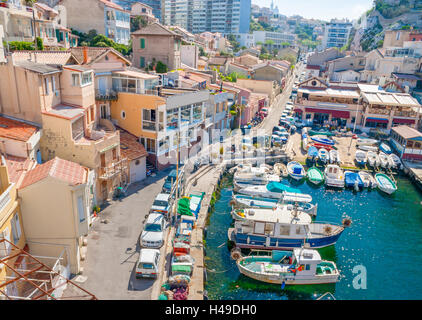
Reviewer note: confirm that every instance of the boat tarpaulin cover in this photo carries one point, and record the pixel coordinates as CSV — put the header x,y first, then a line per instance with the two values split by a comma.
x,y
279,187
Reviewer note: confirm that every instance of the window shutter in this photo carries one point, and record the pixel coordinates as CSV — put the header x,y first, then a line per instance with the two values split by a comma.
x,y
142,43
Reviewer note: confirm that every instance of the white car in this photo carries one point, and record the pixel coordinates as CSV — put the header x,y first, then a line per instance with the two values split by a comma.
x,y
161,204
148,263
153,234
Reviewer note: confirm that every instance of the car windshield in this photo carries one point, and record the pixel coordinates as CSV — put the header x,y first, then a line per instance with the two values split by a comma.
x,y
145,265
160,203
153,227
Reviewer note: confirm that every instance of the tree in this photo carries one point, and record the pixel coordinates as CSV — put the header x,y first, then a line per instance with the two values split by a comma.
x,y
161,67
40,44
137,23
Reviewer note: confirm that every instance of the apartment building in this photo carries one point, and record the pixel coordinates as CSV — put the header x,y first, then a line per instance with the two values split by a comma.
x,y
140,9
104,16
16,19
61,99
336,34
224,16
155,43
129,5
274,39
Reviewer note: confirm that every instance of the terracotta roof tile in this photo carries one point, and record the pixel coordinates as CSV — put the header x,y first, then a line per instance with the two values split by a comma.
x,y
70,172
130,148
17,166
16,130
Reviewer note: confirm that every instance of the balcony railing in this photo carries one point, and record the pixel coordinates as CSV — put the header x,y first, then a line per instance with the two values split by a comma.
x,y
105,95
408,114
116,168
5,197
378,111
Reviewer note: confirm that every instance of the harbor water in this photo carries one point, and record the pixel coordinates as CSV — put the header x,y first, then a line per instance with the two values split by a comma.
x,y
385,240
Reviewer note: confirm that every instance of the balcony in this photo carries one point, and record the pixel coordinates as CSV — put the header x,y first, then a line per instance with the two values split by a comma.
x,y
378,111
405,114
6,197
105,95
115,168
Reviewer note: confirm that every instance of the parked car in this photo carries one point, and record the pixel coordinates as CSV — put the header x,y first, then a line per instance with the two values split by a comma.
x,y
171,181
153,234
162,204
279,129
281,134
148,263
278,140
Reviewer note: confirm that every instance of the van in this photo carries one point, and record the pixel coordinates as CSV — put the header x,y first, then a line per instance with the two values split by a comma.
x,y
161,204
148,263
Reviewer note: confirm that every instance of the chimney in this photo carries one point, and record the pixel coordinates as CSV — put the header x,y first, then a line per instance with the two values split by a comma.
x,y
85,52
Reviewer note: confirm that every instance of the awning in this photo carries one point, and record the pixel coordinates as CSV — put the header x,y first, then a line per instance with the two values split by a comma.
x,y
334,113
404,121
298,110
377,120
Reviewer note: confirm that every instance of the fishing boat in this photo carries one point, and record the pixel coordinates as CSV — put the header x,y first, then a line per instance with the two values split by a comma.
x,y
315,175
321,133
312,153
397,164
334,157
368,148
353,180
373,159
324,141
300,266
281,209
323,146
366,142
296,170
334,176
281,230
240,201
360,157
273,190
385,183
383,160
367,179
323,156
385,148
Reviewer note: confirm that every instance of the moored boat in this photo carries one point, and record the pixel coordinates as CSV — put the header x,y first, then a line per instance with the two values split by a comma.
x,y
383,160
323,155
368,148
373,159
368,179
397,164
322,140
366,142
273,190
312,153
353,180
385,183
334,157
296,170
385,148
281,170
315,175
334,176
360,157
302,266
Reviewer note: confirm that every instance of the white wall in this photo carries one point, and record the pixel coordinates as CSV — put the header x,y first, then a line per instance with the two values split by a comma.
x,y
189,55
138,172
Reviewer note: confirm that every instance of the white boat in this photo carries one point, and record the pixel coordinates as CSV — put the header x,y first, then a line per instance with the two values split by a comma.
x,y
385,183
281,210
360,157
256,176
296,170
397,164
334,176
373,159
368,148
288,268
276,190
366,142
281,170
334,157
383,160
323,155
368,179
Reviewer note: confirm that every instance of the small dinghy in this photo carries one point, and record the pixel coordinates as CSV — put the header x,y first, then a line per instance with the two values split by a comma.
x,y
360,157
385,148
287,268
373,159
334,157
396,161
353,180
296,170
368,179
383,160
321,140
366,142
368,148
281,170
315,176
385,183
312,153
323,155
321,133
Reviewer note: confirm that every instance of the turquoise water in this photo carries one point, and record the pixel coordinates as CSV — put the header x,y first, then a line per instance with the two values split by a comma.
x,y
385,238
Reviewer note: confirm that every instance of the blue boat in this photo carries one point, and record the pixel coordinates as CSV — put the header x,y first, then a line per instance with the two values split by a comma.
x,y
353,180
325,141
312,152
282,230
385,148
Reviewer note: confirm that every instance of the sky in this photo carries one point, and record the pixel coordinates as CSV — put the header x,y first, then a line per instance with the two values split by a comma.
x,y
320,9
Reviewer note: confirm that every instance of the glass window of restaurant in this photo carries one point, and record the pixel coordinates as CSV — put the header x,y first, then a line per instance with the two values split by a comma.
x,y
172,119
185,114
197,112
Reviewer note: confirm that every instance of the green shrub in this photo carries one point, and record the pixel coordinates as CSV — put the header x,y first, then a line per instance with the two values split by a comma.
x,y
40,44
20,45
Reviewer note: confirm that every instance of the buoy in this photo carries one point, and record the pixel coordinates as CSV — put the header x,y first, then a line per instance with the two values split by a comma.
x,y
236,254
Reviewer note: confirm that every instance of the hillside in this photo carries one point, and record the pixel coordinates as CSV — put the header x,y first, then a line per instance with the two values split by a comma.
x,y
386,15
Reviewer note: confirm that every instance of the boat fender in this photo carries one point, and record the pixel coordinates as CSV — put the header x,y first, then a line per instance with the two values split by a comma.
x,y
236,254
283,284
347,222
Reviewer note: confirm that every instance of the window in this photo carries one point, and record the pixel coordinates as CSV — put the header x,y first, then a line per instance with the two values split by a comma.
x,y
114,153
142,62
307,267
53,82
123,115
149,144
16,228
47,83
284,230
142,43
148,120
75,80
86,78
81,211
92,111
